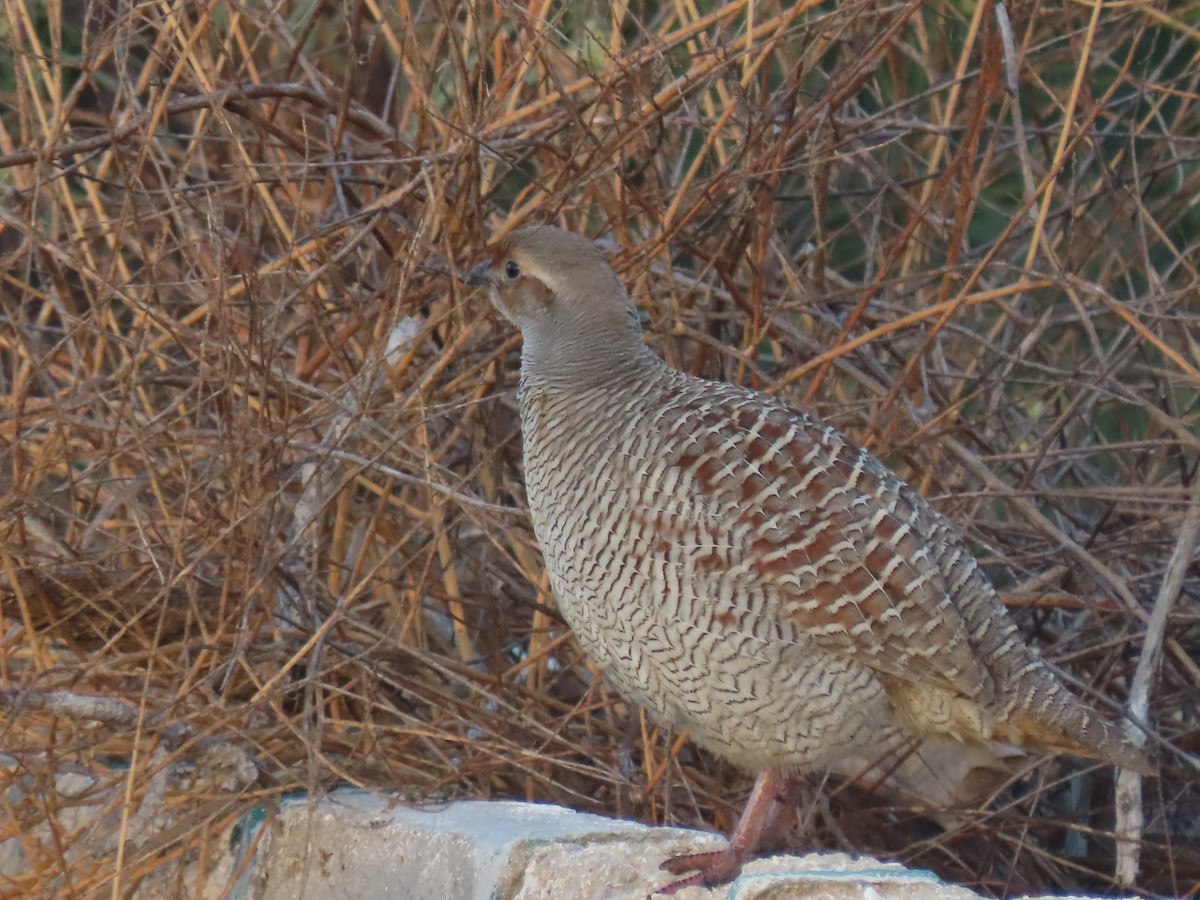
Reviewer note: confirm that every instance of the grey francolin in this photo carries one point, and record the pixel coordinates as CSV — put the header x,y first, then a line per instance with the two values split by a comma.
x,y
742,570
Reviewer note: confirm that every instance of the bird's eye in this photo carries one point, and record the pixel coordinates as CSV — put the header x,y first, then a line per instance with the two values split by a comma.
x,y
511,269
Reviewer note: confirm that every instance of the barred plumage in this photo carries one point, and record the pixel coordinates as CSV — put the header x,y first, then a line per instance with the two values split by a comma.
x,y
742,570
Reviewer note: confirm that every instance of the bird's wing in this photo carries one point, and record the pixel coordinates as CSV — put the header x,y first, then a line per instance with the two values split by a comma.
x,y
855,560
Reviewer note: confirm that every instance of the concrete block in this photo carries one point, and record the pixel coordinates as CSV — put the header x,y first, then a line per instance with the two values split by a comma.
x,y
358,845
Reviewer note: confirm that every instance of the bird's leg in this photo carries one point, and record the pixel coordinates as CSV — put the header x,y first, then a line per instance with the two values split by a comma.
x,y
720,866
784,818
633,730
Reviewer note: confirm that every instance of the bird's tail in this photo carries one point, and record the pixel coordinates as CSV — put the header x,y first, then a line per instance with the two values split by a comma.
x,y
1049,716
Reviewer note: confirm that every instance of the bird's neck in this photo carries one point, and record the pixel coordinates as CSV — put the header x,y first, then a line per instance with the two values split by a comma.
x,y
586,362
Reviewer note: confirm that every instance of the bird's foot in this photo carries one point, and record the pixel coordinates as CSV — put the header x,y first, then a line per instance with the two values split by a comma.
x,y
708,869
720,866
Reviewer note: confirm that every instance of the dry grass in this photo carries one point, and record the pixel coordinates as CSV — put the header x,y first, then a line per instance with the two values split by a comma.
x,y
246,549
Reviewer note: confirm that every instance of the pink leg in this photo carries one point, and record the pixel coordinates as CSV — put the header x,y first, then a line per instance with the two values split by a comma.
x,y
720,866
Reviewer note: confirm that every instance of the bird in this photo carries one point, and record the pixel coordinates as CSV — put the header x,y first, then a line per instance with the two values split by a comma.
x,y
743,570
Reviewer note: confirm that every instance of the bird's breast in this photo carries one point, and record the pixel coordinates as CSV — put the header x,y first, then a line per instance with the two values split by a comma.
x,y
647,558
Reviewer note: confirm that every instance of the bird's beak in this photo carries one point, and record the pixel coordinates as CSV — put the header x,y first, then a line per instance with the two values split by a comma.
x,y
479,275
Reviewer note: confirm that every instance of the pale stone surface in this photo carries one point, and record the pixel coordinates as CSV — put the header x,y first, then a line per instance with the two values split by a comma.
x,y
356,845
359,846
586,873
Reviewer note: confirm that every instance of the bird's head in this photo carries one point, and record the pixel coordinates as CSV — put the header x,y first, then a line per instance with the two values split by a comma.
x,y
558,289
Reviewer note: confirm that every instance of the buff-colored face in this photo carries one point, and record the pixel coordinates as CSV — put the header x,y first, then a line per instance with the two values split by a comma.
x,y
535,272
